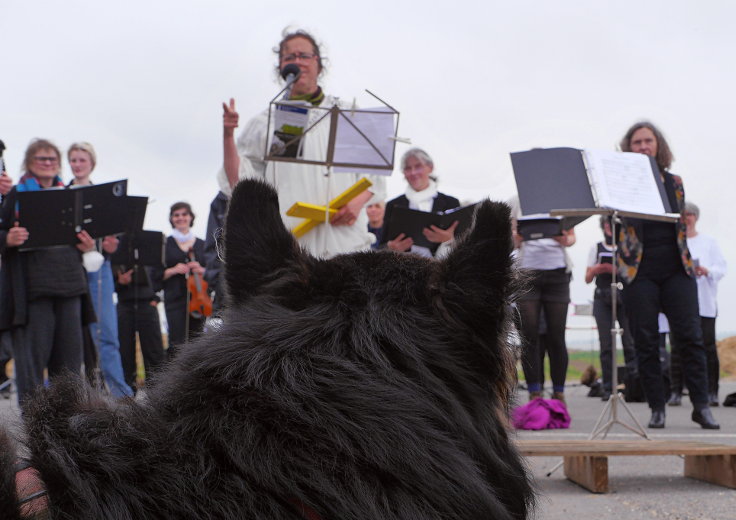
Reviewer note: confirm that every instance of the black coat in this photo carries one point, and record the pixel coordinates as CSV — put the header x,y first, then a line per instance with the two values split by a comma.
x,y
175,288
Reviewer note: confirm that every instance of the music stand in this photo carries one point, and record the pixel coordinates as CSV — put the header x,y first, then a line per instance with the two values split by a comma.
x,y
359,140
600,182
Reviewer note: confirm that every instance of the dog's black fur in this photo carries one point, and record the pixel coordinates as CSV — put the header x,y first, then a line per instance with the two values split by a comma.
x,y
369,386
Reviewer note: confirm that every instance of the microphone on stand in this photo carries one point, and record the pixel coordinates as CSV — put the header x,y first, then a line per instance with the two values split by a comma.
x,y
290,73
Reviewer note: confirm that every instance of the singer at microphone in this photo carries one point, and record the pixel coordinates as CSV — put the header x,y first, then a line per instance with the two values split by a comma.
x,y
300,66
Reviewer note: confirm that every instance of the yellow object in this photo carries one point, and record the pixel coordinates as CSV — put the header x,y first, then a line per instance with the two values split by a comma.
x,y
311,211
335,204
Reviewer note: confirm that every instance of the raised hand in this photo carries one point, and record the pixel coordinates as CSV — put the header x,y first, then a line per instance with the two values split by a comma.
x,y
230,118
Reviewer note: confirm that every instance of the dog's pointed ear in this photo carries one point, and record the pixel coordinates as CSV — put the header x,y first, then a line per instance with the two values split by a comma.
x,y
257,244
477,275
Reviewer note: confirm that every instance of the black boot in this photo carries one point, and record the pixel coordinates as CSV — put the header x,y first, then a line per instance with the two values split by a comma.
x,y
675,399
657,420
704,418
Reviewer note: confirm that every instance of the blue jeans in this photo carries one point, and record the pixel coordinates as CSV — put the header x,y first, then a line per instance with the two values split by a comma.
x,y
105,331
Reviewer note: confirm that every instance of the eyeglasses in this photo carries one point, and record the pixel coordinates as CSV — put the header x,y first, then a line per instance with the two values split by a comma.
x,y
45,159
305,56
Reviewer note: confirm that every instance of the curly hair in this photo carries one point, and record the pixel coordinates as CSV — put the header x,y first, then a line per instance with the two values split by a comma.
x,y
664,155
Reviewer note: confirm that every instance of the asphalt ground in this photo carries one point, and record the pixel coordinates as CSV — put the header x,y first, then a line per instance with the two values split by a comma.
x,y
646,487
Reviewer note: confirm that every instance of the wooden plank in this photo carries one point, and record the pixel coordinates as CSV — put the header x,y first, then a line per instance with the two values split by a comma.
x,y
716,469
562,448
588,472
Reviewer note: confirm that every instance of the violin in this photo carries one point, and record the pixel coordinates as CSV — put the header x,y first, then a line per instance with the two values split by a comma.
x,y
200,303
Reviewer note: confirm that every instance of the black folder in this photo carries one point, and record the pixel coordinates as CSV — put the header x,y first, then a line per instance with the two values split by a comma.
x,y
411,222
140,248
53,217
536,228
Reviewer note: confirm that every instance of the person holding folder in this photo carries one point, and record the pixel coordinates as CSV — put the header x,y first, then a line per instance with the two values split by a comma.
x,y
83,159
658,273
44,298
297,182
549,270
421,194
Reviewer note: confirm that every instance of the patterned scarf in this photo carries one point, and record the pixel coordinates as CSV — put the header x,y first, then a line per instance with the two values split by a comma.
x,y
315,98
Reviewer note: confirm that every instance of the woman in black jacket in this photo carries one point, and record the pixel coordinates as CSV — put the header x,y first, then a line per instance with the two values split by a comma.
x,y
44,299
421,194
183,257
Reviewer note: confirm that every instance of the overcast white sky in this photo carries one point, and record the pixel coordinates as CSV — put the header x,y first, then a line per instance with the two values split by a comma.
x,y
144,81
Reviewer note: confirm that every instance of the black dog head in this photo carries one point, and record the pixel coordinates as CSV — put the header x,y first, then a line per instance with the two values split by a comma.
x,y
418,345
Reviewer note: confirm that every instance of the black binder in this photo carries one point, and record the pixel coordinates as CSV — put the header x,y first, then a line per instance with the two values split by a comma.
x,y
53,217
411,222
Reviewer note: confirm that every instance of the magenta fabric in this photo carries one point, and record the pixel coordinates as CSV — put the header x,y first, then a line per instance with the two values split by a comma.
x,y
541,414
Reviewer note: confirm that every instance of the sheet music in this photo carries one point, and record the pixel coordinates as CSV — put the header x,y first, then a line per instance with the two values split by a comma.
x,y
290,120
377,124
624,181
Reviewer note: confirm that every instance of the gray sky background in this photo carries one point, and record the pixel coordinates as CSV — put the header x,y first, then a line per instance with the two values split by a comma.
x,y
473,81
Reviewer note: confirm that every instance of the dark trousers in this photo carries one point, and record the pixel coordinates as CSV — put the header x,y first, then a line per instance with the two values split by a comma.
x,y
51,339
708,327
143,319
177,316
602,312
551,291
676,294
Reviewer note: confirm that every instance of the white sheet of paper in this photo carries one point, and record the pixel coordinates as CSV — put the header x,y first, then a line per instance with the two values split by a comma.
x,y
624,181
351,147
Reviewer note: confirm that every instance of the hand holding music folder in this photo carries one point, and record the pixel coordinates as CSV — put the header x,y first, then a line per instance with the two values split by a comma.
x,y
53,217
412,222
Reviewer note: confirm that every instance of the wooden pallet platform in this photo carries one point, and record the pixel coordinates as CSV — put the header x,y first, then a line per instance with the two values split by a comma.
x,y
586,461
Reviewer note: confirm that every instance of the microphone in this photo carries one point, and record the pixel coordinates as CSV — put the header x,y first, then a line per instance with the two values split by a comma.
x,y
290,73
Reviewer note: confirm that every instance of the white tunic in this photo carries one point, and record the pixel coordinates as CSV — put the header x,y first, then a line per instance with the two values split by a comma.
x,y
306,183
705,250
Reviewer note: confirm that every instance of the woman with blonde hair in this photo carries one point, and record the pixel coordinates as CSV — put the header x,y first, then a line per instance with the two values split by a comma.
x,y
83,159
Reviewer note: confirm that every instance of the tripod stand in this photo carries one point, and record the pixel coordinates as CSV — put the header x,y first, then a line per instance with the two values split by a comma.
x,y
610,414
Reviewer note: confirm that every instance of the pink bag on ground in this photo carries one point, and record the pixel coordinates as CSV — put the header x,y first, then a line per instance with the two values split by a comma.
x,y
541,414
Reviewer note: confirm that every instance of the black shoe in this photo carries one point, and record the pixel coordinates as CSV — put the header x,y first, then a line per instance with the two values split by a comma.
x,y
606,395
705,419
713,399
675,399
657,420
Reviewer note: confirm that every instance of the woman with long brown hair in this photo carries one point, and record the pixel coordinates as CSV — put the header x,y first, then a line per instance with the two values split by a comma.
x,y
658,274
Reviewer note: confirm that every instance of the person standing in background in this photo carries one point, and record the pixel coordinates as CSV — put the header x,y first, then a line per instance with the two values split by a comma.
x,y
183,256
44,298
375,214
710,267
600,269
83,159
